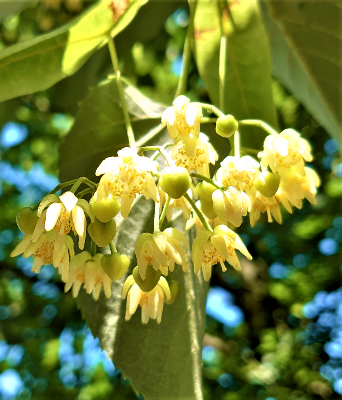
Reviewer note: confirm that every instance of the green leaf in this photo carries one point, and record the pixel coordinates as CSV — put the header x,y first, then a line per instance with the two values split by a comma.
x,y
99,129
162,361
10,7
39,63
306,42
248,91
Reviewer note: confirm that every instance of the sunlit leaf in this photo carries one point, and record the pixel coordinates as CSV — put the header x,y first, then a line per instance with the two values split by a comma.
x,y
40,62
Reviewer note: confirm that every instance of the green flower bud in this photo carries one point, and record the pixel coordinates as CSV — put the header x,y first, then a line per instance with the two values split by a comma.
x,y
208,209
27,220
151,280
175,290
226,126
175,181
102,233
205,191
105,209
115,265
267,183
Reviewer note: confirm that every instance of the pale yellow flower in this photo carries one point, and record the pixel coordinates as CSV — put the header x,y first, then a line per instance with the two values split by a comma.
x,y
44,252
151,303
183,119
86,270
210,248
284,151
239,172
196,159
63,214
127,176
261,204
178,204
161,250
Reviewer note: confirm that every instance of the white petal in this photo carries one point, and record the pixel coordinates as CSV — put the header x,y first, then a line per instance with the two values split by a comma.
x,y
69,200
78,218
52,215
135,295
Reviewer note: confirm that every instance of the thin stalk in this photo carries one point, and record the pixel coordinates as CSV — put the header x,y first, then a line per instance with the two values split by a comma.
x,y
150,135
212,109
115,63
207,120
163,214
156,216
249,150
156,154
167,157
84,192
260,124
112,248
237,144
181,89
204,178
198,212
93,248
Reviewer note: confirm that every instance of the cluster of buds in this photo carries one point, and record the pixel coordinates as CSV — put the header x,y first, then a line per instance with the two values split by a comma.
x,y
215,204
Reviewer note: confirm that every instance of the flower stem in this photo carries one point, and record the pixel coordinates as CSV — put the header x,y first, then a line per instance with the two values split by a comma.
x,y
84,192
181,89
112,248
237,144
198,212
207,120
212,109
79,182
204,178
115,63
167,157
93,248
260,124
163,214
155,155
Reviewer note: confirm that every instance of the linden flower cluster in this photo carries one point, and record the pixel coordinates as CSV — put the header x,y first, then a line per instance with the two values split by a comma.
x,y
215,204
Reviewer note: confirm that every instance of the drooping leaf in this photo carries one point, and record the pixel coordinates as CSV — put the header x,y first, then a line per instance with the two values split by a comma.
x,y
248,92
99,130
163,362
306,42
39,63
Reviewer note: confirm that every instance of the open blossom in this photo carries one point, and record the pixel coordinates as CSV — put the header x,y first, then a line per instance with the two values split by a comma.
x,y
284,151
210,248
44,252
183,119
161,250
196,159
297,187
63,214
151,303
261,204
178,204
87,270
239,172
127,176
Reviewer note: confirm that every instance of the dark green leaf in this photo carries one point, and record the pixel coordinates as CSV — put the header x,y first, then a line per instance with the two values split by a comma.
x,y
41,62
162,361
306,42
248,92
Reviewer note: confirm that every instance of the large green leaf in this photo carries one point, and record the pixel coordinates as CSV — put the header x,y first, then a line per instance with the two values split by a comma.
x,y
306,43
248,91
162,361
39,63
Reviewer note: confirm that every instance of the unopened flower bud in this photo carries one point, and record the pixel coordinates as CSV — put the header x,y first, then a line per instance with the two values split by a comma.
x,y
175,181
106,208
207,208
115,265
27,220
151,280
226,126
205,191
102,233
230,205
175,290
267,183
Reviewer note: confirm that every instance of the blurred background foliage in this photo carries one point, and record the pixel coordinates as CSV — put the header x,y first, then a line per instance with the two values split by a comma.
x,y
273,332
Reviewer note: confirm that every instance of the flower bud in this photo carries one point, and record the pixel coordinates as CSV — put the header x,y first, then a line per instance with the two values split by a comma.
x,y
208,209
27,219
105,209
115,265
205,191
175,181
175,290
267,183
102,233
226,126
150,281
